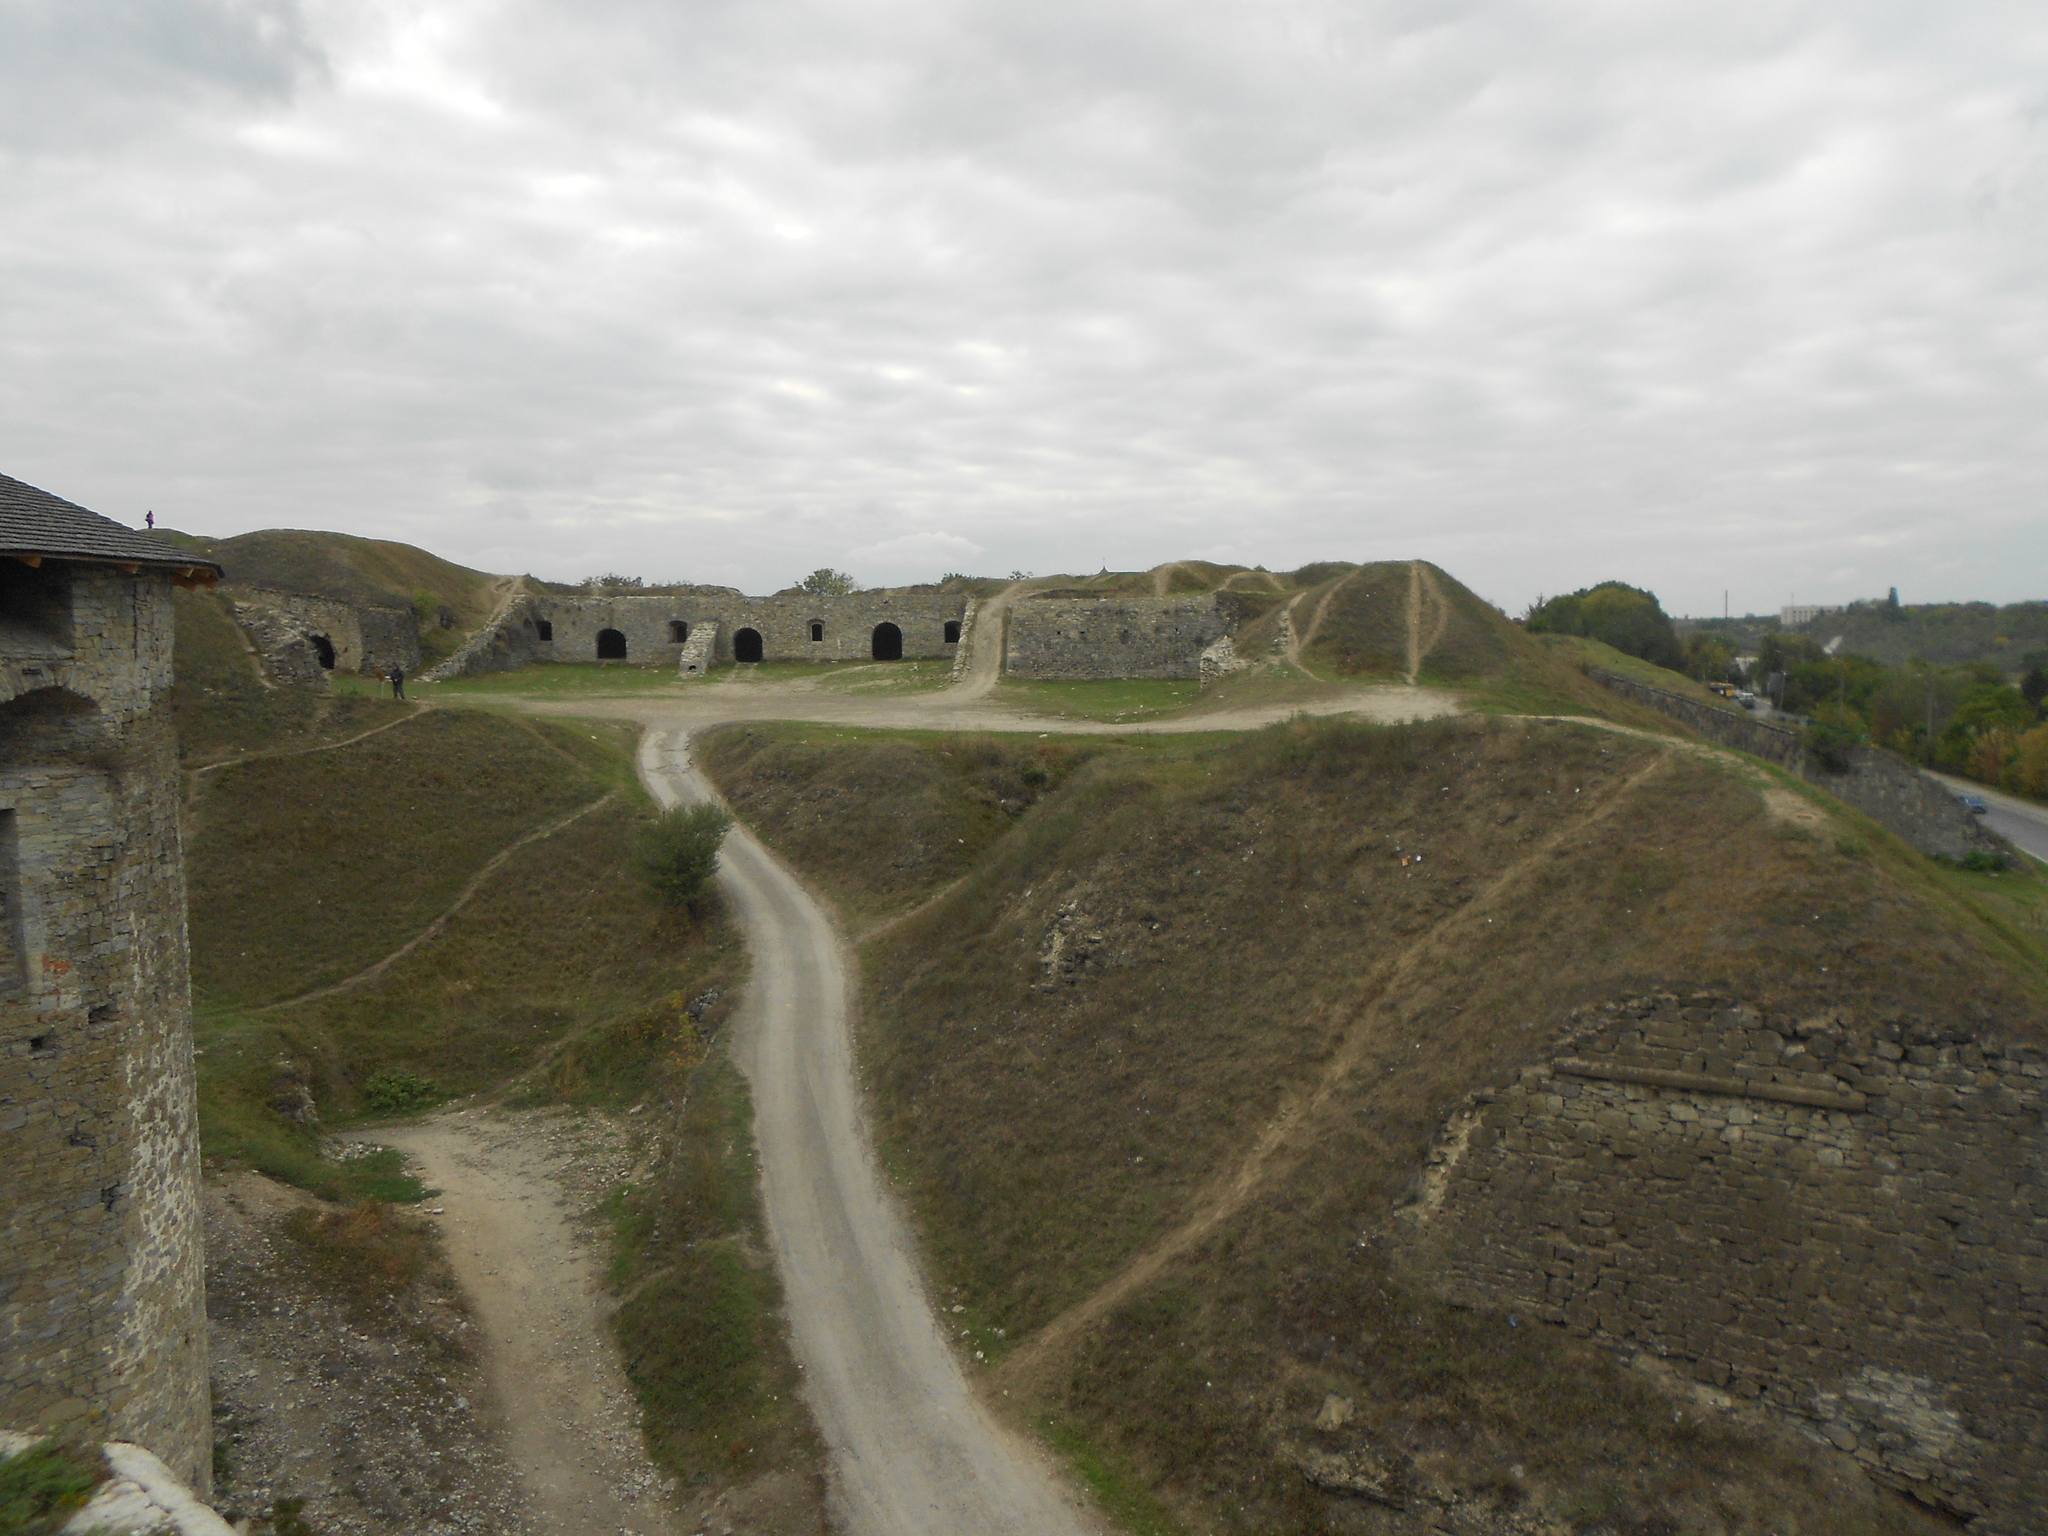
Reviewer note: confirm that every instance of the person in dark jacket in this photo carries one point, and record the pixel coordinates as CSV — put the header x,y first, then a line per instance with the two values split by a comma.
x,y
398,682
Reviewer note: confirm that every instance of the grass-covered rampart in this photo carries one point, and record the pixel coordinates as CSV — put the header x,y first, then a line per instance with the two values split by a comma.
x,y
1200,1009
224,710
560,979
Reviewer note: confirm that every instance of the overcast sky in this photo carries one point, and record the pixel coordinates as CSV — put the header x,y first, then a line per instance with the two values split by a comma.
x,y
1750,295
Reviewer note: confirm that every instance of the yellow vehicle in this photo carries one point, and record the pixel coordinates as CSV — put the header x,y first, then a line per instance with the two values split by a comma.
x,y
1726,690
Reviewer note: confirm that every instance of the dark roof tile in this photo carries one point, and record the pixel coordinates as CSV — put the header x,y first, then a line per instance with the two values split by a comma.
x,y
33,522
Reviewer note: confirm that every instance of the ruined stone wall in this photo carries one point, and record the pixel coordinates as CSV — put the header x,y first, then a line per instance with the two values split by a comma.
x,y
1891,792
1843,1221
783,623
366,638
1111,637
101,1304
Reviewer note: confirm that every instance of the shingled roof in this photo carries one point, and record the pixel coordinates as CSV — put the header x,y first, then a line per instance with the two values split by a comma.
x,y
35,523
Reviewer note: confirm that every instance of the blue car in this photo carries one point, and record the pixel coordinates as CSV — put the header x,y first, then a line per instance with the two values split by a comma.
x,y
1974,804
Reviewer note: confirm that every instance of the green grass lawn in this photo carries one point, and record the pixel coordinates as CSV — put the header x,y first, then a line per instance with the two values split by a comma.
x,y
1113,700
923,676
555,679
548,679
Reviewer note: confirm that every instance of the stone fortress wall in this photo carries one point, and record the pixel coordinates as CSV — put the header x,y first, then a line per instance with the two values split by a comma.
x,y
655,630
1842,1221
1112,637
289,627
1890,791
102,1322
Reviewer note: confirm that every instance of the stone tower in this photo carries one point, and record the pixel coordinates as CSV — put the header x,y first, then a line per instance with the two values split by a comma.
x,y
102,1305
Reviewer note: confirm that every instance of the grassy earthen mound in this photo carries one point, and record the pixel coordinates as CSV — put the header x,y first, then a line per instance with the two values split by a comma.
x,y
559,979
1157,1068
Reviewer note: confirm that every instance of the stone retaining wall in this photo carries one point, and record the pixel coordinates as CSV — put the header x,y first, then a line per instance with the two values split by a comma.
x,y
102,1327
1844,1221
1891,792
1112,637
655,630
366,638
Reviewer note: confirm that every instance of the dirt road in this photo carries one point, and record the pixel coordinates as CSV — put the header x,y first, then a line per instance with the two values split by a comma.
x,y
699,706
506,1190
912,1450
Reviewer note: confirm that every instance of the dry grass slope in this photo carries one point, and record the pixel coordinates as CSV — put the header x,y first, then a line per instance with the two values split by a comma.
x,y
559,981
347,568
1181,1036
224,711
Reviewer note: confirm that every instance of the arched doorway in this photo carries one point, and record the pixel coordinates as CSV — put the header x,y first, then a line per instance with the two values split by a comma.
x,y
611,645
952,631
746,645
888,644
324,649
678,631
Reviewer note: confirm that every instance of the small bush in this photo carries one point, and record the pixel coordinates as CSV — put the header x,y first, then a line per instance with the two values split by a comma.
x,y
288,1518
1984,863
395,1092
45,1485
372,1245
1829,743
678,851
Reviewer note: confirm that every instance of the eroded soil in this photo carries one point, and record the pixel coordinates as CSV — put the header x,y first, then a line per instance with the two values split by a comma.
x,y
370,1405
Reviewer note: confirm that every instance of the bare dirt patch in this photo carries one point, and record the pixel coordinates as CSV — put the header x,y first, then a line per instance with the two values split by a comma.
x,y
360,1391
516,1193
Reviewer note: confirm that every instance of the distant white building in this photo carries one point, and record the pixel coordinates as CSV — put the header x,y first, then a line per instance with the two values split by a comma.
x,y
1793,615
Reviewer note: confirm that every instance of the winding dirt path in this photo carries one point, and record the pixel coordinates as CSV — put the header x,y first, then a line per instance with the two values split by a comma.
x,y
534,1285
913,1451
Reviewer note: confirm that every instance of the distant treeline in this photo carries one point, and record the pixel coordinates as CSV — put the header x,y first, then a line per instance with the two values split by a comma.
x,y
1935,697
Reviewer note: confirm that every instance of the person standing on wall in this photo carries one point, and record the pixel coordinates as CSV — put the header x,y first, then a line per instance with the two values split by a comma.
x,y
398,682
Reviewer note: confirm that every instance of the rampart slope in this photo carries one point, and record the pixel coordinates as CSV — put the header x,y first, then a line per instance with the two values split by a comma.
x,y
1199,1015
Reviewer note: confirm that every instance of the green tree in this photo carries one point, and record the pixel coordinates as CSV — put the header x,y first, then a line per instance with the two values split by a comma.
x,y
1614,613
1709,658
2034,681
1832,735
1989,711
677,852
826,582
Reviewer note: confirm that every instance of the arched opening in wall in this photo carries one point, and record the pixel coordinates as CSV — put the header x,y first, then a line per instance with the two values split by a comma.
x,y
678,631
888,643
952,631
817,631
324,649
544,630
746,645
611,645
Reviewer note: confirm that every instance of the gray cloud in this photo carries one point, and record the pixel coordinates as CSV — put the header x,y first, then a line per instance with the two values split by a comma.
x,y
1746,298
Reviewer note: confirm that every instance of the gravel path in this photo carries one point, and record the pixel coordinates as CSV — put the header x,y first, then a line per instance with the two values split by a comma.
x,y
912,1450
510,1184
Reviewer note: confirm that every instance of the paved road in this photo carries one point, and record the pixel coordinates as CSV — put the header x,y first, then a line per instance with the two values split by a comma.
x,y
2020,822
913,1452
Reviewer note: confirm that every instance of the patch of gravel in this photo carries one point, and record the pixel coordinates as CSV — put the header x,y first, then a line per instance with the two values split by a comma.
x,y
375,1411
